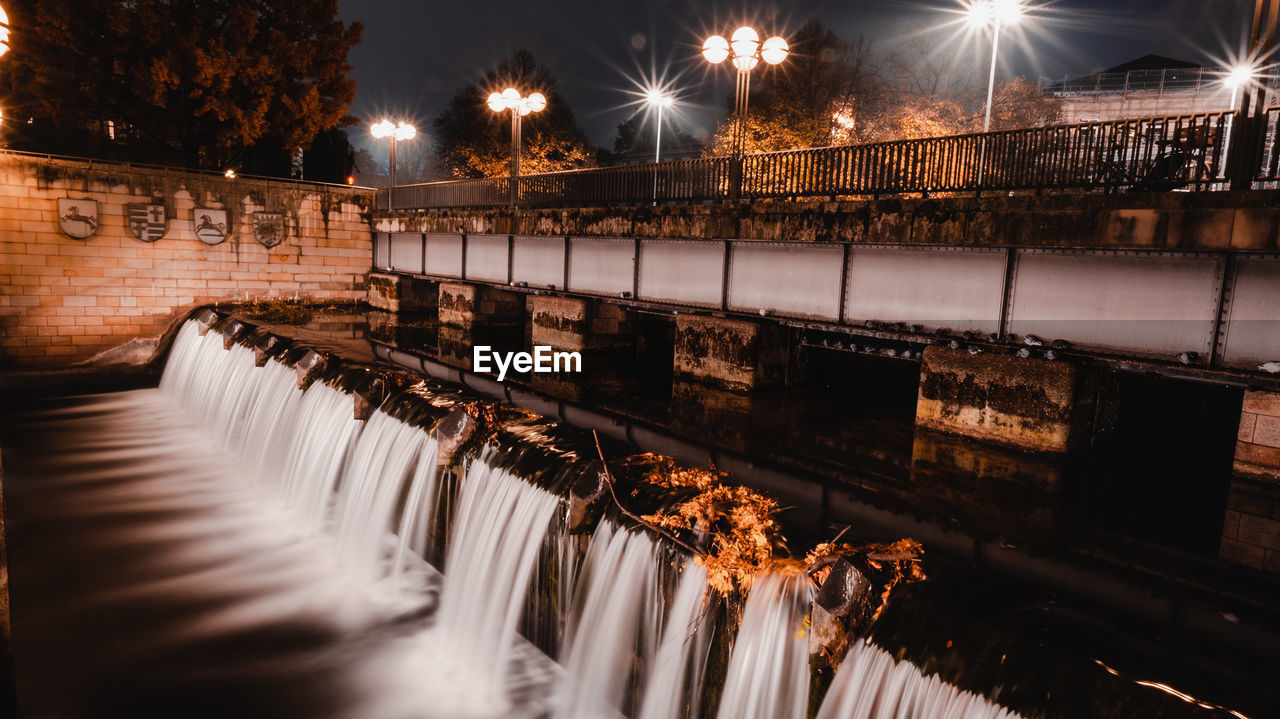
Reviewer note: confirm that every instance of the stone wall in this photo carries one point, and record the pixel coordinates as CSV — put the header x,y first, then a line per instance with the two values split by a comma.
x,y
1247,221
1258,444
1251,527
64,299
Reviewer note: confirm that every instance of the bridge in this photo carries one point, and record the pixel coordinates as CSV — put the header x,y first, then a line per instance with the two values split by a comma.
x,y
1017,299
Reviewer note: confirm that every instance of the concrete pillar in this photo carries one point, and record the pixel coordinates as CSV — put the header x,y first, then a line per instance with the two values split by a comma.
x,y
738,355
397,293
601,332
576,325
462,305
1258,444
1029,404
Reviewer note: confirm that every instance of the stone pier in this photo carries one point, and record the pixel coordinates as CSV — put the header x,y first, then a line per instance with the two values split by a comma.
x,y
738,355
465,306
578,325
400,293
1029,404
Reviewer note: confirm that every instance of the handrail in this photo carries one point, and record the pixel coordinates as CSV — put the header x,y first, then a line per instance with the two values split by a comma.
x,y
1153,153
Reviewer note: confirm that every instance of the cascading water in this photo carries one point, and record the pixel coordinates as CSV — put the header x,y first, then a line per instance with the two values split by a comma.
x,y
675,679
618,590
871,684
634,614
475,656
768,674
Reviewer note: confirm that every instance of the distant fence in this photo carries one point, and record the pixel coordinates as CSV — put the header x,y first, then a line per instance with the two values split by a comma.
x,y
1186,152
1197,79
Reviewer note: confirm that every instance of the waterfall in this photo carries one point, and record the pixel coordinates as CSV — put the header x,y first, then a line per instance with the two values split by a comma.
x,y
768,673
871,684
340,477
675,679
500,523
618,593
635,634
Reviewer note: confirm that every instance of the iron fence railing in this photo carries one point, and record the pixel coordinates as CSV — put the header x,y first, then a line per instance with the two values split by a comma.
x,y
1183,79
1185,152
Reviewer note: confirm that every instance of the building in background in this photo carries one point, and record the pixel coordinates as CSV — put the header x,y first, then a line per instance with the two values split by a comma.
x,y
1150,86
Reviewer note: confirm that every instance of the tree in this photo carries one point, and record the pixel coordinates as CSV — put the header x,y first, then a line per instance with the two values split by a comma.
x,y
636,137
474,141
1021,103
202,80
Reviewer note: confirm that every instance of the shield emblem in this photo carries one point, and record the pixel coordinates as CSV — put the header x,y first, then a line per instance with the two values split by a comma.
x,y
147,222
210,225
268,227
78,218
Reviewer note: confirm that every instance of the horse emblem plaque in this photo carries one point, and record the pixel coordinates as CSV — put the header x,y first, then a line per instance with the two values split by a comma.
x,y
210,225
78,218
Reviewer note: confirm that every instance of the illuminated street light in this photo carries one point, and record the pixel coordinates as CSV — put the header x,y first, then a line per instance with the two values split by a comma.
x,y
1238,77
994,14
510,99
747,51
4,32
658,100
396,132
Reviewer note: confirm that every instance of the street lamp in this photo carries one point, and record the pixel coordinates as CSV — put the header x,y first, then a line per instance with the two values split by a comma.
x,y
510,99
1238,77
397,132
747,51
4,32
660,101
994,13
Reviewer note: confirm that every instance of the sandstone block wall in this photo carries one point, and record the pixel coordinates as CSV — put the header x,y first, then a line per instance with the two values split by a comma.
x,y
1258,444
64,299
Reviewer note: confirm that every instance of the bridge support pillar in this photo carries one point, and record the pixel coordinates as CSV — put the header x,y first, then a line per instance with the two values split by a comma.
x,y
397,293
1032,405
465,306
577,325
738,355
601,332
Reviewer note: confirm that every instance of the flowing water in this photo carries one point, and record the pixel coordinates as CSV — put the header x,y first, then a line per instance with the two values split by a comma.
x,y
768,674
326,517
871,684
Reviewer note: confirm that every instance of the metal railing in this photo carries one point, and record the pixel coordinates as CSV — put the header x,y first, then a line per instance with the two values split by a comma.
x,y
1197,79
1185,152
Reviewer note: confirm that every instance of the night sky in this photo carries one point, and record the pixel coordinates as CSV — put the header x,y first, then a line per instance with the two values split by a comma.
x,y
416,53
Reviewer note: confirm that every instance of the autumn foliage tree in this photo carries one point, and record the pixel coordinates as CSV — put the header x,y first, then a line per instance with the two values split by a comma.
x,y
199,80
474,141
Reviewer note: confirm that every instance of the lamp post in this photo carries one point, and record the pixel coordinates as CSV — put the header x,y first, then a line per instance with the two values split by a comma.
x,y
510,99
659,100
995,13
747,52
4,32
1239,76
396,132
4,42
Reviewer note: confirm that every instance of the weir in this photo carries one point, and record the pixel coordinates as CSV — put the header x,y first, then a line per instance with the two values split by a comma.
x,y
346,488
